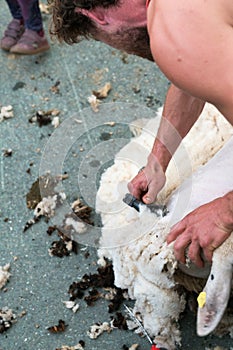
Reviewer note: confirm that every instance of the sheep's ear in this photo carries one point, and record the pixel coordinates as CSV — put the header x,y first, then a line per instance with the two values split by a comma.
x,y
216,294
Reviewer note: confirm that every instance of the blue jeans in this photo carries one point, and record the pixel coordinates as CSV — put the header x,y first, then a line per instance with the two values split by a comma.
x,y
29,11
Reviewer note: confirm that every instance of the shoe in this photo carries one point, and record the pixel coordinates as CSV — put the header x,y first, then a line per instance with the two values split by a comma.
x,y
30,43
12,34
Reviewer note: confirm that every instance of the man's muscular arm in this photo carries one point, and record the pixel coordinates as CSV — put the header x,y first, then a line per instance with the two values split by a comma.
x,y
192,43
198,62
179,114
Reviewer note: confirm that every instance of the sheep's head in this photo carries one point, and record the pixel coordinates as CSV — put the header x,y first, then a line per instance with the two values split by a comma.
x,y
217,289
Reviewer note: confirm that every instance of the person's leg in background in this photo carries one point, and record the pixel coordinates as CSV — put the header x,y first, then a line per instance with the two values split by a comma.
x,y
33,39
15,28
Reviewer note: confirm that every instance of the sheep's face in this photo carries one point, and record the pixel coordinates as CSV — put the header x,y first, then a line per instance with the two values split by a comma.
x,y
217,289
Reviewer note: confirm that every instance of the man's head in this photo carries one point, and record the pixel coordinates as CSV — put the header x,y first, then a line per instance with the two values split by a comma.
x,y
118,23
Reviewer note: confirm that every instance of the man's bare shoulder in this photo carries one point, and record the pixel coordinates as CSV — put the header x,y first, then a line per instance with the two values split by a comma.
x,y
187,8
192,42
174,21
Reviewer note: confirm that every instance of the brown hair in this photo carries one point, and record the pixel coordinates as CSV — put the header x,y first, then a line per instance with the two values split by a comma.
x,y
70,26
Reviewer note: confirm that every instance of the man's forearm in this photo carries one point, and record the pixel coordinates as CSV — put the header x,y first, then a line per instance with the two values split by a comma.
x,y
179,114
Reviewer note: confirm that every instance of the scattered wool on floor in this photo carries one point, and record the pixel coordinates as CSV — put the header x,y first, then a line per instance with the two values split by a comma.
x,y
6,112
7,318
4,275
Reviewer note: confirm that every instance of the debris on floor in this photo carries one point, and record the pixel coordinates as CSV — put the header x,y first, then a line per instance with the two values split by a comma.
x,y
55,88
103,92
73,223
4,275
61,327
46,207
98,95
94,102
97,329
101,285
30,223
43,118
6,113
7,318
82,211
71,305
96,284
64,246
44,185
55,122
79,346
7,152
134,347
119,321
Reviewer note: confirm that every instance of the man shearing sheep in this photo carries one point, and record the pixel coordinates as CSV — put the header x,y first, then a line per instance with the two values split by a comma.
x,y
192,43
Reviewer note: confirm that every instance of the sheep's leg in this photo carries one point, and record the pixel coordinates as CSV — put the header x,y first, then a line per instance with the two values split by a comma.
x,y
217,291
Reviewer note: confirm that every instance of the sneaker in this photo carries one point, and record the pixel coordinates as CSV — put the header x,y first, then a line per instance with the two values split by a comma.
x,y
12,34
30,43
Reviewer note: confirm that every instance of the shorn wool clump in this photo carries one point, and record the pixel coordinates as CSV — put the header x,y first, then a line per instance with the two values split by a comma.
x,y
201,170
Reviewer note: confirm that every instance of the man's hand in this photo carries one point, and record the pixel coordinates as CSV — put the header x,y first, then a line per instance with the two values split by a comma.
x,y
148,182
203,230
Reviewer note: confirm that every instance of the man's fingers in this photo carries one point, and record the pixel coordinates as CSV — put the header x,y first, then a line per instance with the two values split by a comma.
x,y
179,251
147,183
180,246
176,230
131,187
138,186
194,254
208,251
136,190
208,254
209,248
149,197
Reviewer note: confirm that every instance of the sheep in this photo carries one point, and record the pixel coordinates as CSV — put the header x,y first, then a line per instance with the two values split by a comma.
x,y
135,242
217,289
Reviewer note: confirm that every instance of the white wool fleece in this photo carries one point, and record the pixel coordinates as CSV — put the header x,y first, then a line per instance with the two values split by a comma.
x,y
134,241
